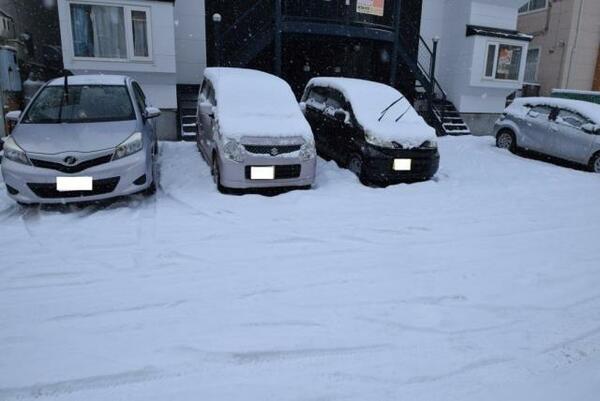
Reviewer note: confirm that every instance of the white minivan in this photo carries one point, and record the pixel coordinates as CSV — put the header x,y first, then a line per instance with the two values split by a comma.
x,y
252,132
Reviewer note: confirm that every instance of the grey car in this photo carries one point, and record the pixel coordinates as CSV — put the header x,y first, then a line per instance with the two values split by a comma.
x,y
252,132
561,128
81,138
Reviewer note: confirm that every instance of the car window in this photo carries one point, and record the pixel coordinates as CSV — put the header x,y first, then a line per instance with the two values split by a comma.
x,y
81,103
335,102
571,119
540,112
204,91
317,98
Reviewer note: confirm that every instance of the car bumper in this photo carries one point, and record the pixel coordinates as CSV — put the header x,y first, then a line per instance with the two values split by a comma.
x,y
379,168
29,184
297,172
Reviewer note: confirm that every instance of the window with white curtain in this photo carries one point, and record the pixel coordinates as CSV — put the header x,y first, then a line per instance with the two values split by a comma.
x,y
110,32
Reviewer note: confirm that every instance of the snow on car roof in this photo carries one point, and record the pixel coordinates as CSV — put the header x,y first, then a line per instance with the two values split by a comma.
x,y
254,103
587,109
369,99
95,79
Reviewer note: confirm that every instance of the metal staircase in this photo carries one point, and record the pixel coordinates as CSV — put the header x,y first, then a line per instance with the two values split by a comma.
x,y
256,31
187,99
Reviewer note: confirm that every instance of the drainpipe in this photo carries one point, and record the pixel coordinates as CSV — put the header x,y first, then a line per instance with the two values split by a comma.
x,y
574,48
216,17
394,61
278,45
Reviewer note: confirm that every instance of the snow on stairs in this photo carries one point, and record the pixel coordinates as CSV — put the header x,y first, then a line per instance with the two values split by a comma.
x,y
450,119
187,99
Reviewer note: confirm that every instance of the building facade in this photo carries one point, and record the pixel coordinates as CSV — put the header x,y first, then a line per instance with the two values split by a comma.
x,y
477,61
564,52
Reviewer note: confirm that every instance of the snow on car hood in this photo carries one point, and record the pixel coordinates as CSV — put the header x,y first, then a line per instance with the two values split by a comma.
x,y
254,103
72,137
369,99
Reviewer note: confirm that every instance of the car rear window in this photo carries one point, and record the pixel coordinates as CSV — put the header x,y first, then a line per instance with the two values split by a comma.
x,y
79,104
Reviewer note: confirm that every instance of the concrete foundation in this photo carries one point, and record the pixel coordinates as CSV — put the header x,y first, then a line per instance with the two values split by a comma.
x,y
480,123
165,125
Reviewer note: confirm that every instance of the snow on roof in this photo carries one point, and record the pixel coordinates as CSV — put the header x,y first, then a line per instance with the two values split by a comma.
x,y
96,79
587,109
254,103
368,100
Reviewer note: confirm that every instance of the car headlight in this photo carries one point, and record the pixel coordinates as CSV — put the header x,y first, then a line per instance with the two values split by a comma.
x,y
308,151
429,145
373,140
233,150
131,145
13,152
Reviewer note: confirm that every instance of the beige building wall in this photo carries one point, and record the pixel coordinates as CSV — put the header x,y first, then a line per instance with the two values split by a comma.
x,y
568,35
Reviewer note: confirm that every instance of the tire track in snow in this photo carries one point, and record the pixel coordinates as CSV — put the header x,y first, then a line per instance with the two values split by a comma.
x,y
55,389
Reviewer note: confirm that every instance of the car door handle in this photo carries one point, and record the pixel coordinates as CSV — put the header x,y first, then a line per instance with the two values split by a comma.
x,y
555,129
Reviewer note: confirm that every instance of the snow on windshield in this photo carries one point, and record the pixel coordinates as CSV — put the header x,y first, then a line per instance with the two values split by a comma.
x,y
400,123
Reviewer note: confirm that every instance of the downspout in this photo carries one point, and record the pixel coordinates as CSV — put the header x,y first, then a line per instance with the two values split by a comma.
x,y
581,6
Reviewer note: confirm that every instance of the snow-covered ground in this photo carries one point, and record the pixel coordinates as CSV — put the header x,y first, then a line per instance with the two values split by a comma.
x,y
483,284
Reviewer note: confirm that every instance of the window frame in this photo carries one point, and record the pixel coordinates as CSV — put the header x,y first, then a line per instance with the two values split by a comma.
x,y
529,11
128,26
497,45
537,65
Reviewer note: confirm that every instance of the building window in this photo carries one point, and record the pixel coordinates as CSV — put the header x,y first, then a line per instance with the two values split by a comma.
x,y
100,31
533,5
503,62
531,65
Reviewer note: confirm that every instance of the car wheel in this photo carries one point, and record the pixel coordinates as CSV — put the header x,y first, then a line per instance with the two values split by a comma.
x,y
595,163
151,190
506,140
355,164
216,173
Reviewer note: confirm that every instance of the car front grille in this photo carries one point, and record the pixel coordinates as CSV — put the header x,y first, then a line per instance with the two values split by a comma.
x,y
100,187
71,169
272,150
282,172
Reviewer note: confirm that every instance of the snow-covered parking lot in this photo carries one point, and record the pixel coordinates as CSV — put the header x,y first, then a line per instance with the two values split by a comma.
x,y
483,284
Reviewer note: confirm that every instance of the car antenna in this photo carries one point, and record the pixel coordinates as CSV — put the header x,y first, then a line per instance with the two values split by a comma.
x,y
389,107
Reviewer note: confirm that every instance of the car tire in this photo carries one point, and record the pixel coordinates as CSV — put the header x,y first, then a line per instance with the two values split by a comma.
x,y
356,165
594,164
506,140
216,173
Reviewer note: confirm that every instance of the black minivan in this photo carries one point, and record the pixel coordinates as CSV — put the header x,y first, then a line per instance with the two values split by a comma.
x,y
371,129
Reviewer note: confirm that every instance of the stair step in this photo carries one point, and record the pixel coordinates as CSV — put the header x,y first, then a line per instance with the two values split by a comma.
x,y
187,105
188,119
461,124
189,128
188,112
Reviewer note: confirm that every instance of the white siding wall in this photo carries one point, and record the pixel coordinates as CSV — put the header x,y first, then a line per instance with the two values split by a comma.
x,y
157,77
190,40
461,59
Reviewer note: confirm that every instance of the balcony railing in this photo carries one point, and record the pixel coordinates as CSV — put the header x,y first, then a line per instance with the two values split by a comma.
x,y
340,11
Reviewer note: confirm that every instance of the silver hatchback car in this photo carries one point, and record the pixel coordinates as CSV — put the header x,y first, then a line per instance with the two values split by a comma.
x,y
561,128
81,138
252,131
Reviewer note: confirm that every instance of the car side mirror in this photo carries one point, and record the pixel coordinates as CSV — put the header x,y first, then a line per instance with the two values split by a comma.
x,y
13,116
340,115
206,108
151,112
534,114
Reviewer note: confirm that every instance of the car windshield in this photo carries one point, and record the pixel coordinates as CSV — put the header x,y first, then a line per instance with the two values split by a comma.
x,y
81,103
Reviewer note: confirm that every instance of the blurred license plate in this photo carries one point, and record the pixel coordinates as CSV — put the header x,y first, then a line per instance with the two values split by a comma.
x,y
402,164
262,173
64,184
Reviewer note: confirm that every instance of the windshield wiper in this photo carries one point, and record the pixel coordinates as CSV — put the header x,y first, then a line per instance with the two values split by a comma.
x,y
402,115
389,107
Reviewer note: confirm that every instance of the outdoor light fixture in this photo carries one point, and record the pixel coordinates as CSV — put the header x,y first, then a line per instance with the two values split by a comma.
x,y
216,17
